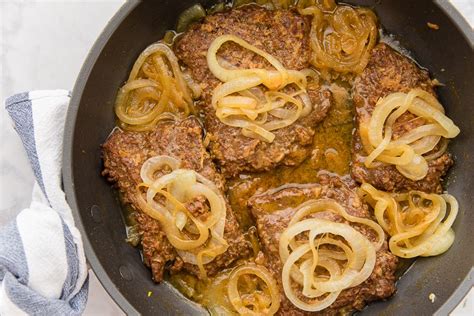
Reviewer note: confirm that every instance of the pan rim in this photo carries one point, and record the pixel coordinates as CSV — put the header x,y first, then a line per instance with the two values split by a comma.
x,y
68,160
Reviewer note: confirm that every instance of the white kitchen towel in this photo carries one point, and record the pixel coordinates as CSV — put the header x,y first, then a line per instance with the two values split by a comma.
x,y
42,263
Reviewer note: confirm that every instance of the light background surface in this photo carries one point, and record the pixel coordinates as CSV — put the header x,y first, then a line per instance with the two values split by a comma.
x,y
43,45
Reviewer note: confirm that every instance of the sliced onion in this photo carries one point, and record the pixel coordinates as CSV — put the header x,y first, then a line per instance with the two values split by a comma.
x,y
406,152
307,104
196,241
239,102
271,79
155,86
416,221
302,257
341,36
442,147
152,165
267,306
416,169
195,88
330,205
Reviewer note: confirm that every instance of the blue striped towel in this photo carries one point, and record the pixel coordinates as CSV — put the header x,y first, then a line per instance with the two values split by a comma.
x,y
43,269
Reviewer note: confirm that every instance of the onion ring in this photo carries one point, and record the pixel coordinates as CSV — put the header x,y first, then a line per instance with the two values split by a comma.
x,y
416,221
197,241
155,88
266,302
302,258
341,36
237,104
406,152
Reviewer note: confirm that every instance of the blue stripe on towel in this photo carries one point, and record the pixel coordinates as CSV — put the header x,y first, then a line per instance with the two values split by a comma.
x,y
19,108
34,304
12,254
72,262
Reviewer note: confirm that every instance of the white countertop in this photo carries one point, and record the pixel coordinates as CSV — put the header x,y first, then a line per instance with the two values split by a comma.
x,y
43,45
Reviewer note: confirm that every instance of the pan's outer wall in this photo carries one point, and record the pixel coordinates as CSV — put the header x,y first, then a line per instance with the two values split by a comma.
x,y
446,52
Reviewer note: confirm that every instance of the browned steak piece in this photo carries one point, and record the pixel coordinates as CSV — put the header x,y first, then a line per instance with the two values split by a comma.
x,y
388,72
125,152
281,33
274,209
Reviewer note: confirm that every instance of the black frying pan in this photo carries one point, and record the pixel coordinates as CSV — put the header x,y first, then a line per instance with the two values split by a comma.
x,y
448,53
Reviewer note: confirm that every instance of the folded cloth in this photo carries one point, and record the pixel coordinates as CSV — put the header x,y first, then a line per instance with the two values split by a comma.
x,y
42,264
